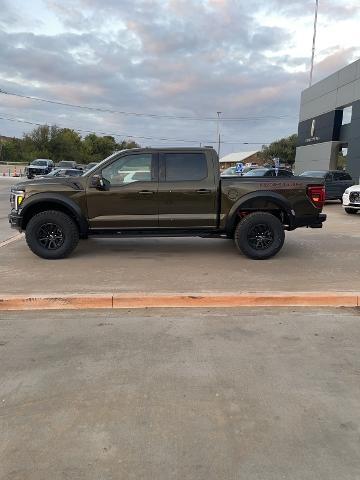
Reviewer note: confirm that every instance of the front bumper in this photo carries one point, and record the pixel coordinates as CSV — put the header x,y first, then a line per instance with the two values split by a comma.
x,y
15,220
351,200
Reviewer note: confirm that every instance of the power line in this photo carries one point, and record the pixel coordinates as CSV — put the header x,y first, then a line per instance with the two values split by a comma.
x,y
138,114
123,135
313,43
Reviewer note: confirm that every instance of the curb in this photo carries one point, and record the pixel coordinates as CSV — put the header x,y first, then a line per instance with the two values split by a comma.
x,y
131,301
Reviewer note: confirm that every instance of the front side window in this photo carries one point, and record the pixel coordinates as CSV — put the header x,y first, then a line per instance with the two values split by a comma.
x,y
185,166
129,169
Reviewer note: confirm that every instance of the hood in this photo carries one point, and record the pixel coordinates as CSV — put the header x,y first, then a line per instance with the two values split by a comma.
x,y
75,182
354,188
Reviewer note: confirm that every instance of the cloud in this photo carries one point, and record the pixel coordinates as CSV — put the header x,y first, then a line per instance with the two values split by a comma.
x,y
176,57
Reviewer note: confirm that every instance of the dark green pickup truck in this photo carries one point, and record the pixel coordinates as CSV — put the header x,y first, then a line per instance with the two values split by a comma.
x,y
164,192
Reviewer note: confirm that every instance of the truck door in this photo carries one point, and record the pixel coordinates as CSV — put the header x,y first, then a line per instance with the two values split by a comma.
x,y
131,197
188,187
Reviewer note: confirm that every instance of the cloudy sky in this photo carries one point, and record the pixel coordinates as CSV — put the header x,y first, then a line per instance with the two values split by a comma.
x,y
169,58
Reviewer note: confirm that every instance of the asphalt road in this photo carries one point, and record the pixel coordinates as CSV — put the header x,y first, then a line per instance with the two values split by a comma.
x,y
185,395
311,260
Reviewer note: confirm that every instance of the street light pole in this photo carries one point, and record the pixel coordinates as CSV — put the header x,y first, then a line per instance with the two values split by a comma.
x,y
218,132
314,42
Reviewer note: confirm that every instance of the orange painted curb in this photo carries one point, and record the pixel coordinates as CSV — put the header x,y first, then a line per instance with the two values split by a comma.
x,y
56,303
130,301
240,300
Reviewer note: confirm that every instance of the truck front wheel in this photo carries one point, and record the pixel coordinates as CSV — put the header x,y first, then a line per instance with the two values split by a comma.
x,y
52,234
259,235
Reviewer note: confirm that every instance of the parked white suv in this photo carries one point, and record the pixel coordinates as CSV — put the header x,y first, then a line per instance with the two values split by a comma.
x,y
351,199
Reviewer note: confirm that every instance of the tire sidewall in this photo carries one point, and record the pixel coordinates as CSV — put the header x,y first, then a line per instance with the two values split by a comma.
x,y
64,222
251,220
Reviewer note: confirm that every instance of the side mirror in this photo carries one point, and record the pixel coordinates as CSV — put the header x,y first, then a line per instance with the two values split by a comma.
x,y
98,182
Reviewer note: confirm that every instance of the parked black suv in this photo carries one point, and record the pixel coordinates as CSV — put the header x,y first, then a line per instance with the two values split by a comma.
x,y
336,182
40,166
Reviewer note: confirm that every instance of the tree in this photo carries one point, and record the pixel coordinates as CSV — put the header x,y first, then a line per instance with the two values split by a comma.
x,y
61,144
65,144
98,148
284,148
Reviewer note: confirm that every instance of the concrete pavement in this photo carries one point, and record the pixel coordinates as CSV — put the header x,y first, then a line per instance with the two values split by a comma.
x,y
190,395
311,260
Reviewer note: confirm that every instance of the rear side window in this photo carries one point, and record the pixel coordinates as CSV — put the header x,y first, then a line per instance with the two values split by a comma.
x,y
185,166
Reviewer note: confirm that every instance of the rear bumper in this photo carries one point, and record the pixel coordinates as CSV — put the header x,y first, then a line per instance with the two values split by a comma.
x,y
313,221
15,220
319,221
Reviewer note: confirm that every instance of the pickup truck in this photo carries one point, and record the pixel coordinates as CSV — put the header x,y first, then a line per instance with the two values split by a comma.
x,y
164,192
40,166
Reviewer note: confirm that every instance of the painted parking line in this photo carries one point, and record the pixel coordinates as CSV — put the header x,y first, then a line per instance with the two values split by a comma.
x,y
10,240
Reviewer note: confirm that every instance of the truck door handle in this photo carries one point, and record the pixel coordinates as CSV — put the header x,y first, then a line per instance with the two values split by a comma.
x,y
203,191
146,192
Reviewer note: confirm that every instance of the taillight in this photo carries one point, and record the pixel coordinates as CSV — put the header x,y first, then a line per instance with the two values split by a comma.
x,y
316,193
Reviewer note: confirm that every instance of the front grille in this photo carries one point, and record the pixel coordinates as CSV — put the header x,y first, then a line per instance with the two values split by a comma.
x,y
354,197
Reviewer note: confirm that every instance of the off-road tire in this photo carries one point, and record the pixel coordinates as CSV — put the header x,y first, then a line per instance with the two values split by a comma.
x,y
62,238
350,211
260,235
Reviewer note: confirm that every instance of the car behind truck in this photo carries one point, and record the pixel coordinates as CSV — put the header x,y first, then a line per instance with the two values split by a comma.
x,y
40,166
164,192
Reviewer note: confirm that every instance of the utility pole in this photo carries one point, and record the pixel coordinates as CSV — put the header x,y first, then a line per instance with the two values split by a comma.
x,y
314,42
218,132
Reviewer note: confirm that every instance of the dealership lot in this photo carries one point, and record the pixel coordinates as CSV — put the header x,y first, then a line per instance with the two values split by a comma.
x,y
181,393
317,260
255,394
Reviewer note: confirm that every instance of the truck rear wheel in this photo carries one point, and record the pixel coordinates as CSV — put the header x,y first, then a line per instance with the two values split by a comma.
x,y
52,234
260,235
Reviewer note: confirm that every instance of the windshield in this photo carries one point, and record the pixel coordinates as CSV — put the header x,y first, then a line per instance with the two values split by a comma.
x,y
40,163
258,172
229,171
313,174
54,173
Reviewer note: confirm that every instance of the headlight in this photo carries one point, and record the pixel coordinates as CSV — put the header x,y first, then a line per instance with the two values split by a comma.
x,y
16,198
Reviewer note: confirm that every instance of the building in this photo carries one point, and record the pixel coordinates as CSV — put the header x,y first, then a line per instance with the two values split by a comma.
x,y
4,139
240,157
330,123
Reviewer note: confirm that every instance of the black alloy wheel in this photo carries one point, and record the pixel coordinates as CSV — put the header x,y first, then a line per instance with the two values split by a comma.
x,y
50,236
260,236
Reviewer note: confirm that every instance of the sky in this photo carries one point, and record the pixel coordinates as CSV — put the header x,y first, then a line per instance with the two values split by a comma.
x,y
175,62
